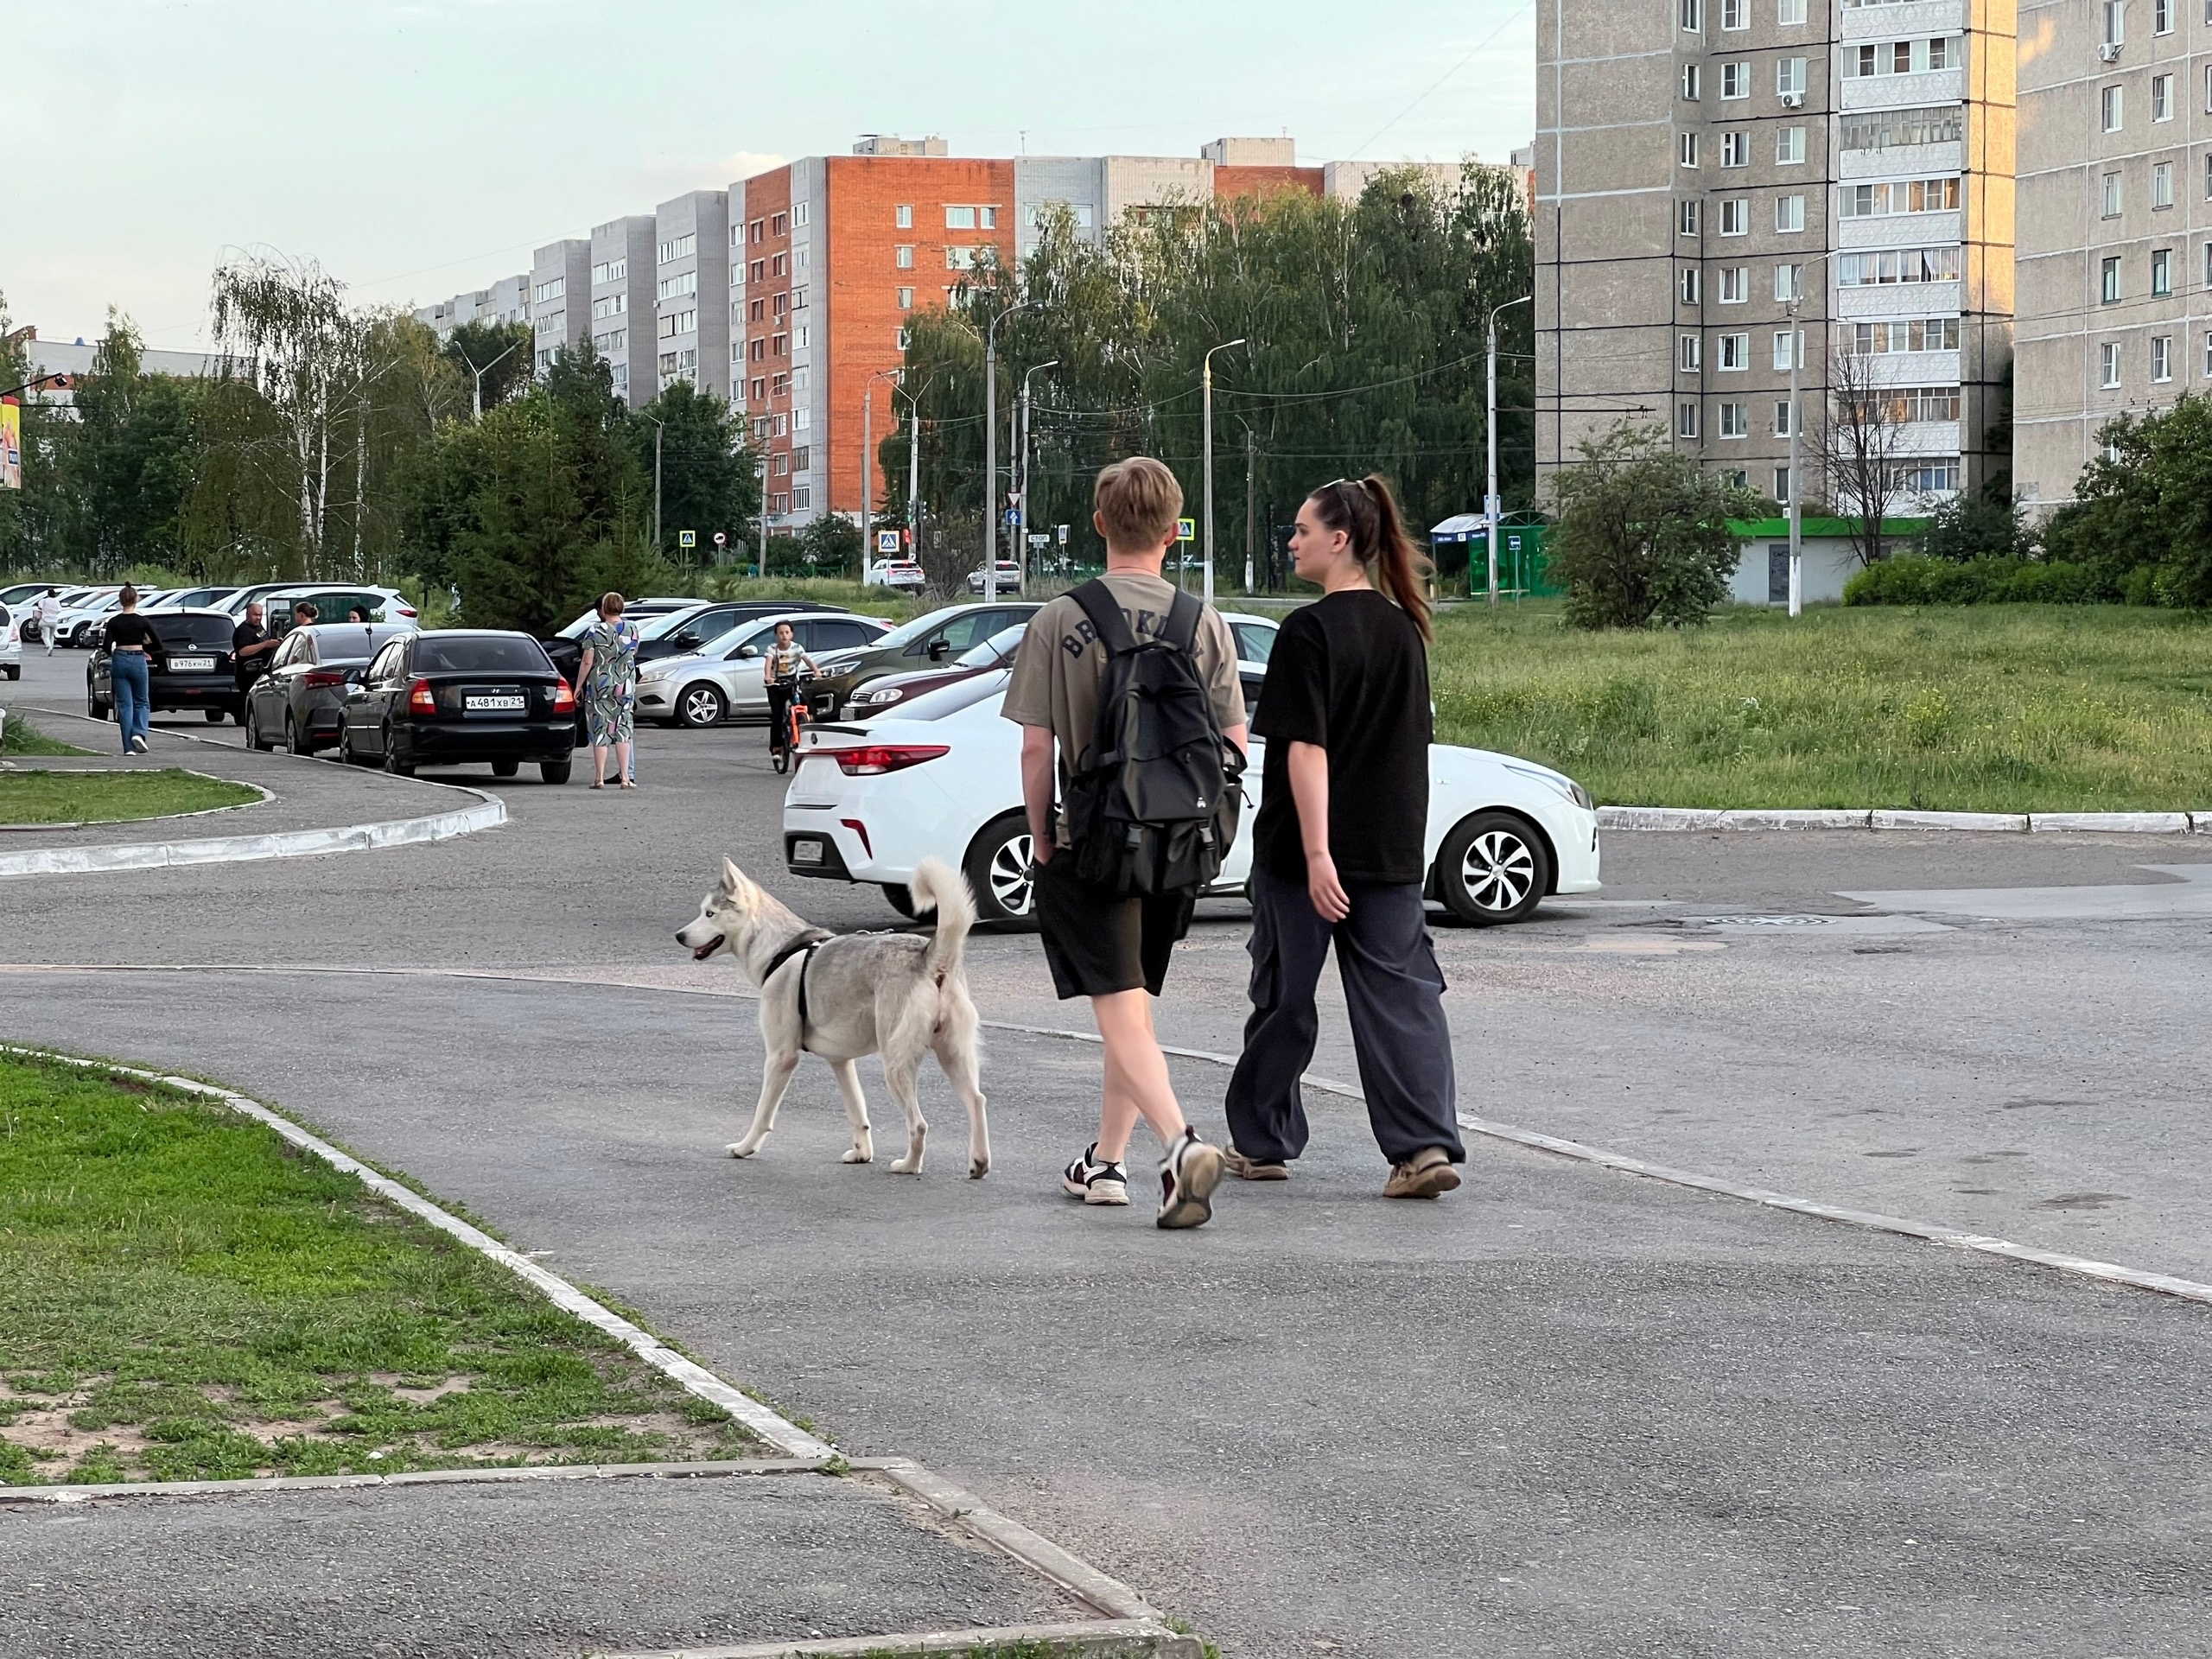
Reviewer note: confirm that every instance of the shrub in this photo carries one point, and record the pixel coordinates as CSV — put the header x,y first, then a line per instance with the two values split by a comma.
x,y
1909,580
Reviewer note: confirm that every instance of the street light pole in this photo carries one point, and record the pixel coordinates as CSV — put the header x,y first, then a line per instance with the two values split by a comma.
x,y
1492,508
1206,380
487,369
991,449
1021,496
1796,482
658,430
867,462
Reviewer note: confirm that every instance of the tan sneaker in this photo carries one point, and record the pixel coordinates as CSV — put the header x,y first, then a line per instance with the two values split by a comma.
x,y
1251,1169
1424,1175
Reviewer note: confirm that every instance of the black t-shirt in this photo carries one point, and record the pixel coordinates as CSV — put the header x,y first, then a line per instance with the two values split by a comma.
x,y
130,629
1349,673
249,668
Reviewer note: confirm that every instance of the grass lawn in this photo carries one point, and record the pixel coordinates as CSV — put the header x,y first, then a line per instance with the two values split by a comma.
x,y
1999,707
184,1296
111,796
23,737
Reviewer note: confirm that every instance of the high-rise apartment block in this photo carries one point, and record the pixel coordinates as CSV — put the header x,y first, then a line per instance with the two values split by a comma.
x,y
560,298
506,301
622,304
1721,184
2115,256
691,260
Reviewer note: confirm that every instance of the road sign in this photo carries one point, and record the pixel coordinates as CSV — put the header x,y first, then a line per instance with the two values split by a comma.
x,y
720,540
1186,529
1013,516
1039,538
886,541
687,539
1062,531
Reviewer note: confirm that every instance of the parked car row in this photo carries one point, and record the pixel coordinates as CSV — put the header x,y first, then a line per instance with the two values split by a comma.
x,y
12,642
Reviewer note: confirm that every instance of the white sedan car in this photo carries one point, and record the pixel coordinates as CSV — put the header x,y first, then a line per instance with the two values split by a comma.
x,y
870,800
12,642
723,678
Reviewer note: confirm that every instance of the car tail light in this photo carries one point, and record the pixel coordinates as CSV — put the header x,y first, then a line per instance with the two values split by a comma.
x,y
421,699
320,677
873,759
564,700
403,610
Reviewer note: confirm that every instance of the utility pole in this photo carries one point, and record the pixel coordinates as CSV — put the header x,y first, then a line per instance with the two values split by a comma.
x,y
1206,380
1021,498
1796,482
487,369
868,461
1249,482
1492,508
991,449
658,430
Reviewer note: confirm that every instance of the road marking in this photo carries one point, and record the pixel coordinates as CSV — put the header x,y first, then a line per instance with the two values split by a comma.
x,y
2189,895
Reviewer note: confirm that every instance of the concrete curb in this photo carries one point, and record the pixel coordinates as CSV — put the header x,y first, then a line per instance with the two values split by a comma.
x,y
1119,1639
533,1472
2102,823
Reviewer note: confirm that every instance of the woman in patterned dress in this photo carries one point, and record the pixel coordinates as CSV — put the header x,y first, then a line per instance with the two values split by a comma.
x,y
608,672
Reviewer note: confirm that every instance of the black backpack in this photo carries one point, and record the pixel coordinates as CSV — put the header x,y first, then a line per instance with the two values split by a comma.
x,y
1153,804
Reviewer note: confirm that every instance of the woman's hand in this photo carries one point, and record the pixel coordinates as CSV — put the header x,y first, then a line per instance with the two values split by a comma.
x,y
1331,901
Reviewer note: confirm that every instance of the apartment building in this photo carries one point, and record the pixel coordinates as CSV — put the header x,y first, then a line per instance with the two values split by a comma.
x,y
2115,260
1722,185
691,261
506,301
622,304
560,298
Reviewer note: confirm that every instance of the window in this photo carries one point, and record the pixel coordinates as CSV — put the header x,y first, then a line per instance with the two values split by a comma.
x,y
905,299
1789,12
681,247
2115,13
1690,82
779,224
2208,357
609,305
779,264
758,271
1890,199
610,270
1735,150
1686,419
2111,106
1735,420
1946,52
2162,97
758,311
2208,178
1885,129
1889,265
619,377
902,216
1786,282
903,256
959,258
1782,417
2108,361
1688,353
552,290
675,287
760,346
2162,184
1784,348
2162,16
1687,216
1690,288
800,212
1736,80
1781,473
1903,334
2108,281
1692,16
1929,476
760,229
1789,213
2207,70
798,299
805,336
780,466
1789,77
668,363
1735,353
1736,216
668,327
614,341
802,418
759,395
959,218
2162,358
1735,285
1686,149
1789,146
1735,14
2162,273
802,498
2111,195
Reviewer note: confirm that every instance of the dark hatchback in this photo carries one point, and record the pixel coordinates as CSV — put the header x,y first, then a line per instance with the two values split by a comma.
x,y
459,696
191,670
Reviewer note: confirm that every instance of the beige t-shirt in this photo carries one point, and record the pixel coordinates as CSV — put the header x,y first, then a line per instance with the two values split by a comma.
x,y
1061,666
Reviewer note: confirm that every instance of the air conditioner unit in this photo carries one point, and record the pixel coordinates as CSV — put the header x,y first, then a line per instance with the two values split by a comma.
x,y
1793,100
2109,51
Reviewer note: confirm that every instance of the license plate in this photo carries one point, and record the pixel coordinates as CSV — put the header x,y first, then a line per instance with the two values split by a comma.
x,y
492,705
806,852
192,664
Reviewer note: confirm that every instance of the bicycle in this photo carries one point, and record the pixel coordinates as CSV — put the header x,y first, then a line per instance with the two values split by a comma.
x,y
782,734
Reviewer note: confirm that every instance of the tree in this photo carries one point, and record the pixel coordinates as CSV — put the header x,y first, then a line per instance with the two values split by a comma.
x,y
707,478
1643,534
1858,444
501,350
2141,514
830,546
1979,526
127,470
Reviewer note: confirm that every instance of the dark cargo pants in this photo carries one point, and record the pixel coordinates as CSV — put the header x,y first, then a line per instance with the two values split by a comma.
x,y
1393,990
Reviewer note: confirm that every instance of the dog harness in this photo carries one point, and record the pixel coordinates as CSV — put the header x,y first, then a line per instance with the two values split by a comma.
x,y
802,947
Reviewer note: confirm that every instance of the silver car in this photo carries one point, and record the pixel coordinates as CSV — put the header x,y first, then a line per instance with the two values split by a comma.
x,y
722,679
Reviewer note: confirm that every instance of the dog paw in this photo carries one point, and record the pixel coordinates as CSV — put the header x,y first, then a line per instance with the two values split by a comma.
x,y
905,1166
859,1156
743,1148
978,1167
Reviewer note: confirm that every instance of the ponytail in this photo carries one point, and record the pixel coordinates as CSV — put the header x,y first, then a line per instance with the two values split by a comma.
x,y
1366,511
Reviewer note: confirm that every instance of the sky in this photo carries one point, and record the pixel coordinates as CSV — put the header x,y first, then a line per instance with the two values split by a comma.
x,y
422,150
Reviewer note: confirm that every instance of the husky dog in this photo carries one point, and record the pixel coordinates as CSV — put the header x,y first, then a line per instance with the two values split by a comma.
x,y
896,995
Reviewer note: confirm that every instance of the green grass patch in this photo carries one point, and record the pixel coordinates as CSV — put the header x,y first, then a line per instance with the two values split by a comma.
x,y
112,797
183,1296
23,737
2005,708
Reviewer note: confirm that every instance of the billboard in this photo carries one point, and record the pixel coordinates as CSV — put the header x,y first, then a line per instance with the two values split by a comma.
x,y
11,445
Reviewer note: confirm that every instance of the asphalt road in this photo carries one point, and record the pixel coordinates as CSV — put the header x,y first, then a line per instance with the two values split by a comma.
x,y
1560,1411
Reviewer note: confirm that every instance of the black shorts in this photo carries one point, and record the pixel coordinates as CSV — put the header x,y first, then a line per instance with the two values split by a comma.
x,y
1098,943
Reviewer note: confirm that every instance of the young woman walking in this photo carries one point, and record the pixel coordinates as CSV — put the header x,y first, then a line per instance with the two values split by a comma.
x,y
131,642
1337,852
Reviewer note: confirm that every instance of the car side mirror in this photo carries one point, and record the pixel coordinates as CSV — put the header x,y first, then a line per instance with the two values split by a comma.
x,y
939,649
748,651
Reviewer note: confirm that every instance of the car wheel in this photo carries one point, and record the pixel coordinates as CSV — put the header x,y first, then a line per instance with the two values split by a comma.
x,y
901,897
345,755
392,763
554,771
295,741
214,716
1493,867
253,737
998,868
14,672
505,768
94,707
701,705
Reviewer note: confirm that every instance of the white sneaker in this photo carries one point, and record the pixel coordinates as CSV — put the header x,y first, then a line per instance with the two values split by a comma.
x,y
1096,1180
1188,1175
138,745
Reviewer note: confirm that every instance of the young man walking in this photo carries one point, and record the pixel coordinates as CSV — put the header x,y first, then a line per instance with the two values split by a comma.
x,y
1099,943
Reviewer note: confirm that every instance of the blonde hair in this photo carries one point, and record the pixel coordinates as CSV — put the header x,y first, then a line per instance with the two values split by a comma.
x,y
1138,501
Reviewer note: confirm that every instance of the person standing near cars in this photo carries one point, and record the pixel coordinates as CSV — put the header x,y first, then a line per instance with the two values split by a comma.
x,y
608,674
1099,943
131,642
48,612
250,649
778,672
1336,853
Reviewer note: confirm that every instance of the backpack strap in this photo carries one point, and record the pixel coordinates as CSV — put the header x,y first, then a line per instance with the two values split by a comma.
x,y
1098,603
1183,616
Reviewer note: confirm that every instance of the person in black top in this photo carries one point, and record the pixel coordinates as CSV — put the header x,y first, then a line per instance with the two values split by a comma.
x,y
1336,853
132,643
250,649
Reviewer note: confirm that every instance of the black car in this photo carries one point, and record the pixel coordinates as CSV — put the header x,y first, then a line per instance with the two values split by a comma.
x,y
192,669
301,699
461,695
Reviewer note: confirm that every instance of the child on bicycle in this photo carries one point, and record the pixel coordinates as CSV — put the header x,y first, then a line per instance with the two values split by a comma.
x,y
779,670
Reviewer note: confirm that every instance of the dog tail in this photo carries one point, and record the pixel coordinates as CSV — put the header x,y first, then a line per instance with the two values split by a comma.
x,y
938,887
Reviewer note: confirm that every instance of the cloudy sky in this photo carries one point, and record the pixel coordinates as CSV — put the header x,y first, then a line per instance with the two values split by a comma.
x,y
421,148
